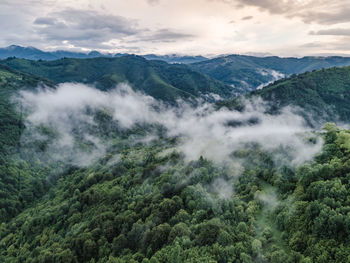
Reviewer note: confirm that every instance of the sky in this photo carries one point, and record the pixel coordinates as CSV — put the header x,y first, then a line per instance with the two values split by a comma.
x,y
191,27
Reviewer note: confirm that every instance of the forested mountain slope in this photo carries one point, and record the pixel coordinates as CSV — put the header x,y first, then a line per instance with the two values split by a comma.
x,y
324,93
247,73
11,81
151,206
188,184
19,182
156,78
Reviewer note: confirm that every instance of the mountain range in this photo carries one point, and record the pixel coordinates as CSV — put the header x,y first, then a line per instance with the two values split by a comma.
x,y
156,78
247,73
37,54
89,173
244,73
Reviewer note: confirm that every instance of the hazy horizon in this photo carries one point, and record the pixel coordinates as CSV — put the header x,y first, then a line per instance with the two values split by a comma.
x,y
209,56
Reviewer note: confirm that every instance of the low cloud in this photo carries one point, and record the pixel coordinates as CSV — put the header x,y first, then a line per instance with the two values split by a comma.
x,y
201,131
273,74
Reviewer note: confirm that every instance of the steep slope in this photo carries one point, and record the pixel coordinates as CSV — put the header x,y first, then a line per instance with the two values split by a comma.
x,y
324,93
156,78
142,201
20,183
247,73
10,82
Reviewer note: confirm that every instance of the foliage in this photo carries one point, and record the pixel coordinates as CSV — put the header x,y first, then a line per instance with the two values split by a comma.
x,y
246,73
156,78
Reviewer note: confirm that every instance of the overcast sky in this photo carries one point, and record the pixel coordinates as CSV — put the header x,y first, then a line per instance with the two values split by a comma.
x,y
207,27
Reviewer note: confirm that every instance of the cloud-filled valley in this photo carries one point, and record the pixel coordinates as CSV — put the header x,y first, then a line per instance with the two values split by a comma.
x,y
202,130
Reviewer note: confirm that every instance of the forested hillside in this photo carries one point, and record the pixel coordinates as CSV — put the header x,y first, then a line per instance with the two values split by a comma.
x,y
246,73
320,96
19,181
324,93
156,78
143,203
112,175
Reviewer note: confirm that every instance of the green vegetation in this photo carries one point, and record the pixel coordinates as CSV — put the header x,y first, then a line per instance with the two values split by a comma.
x,y
323,93
18,179
315,221
246,73
143,202
321,96
156,78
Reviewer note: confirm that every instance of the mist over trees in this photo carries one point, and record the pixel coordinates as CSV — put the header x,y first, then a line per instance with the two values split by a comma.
x,y
94,174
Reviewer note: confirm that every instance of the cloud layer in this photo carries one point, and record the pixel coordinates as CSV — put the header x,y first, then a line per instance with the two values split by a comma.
x,y
201,131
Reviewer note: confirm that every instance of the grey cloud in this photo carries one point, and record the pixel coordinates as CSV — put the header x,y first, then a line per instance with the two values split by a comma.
x,y
165,35
332,32
336,15
89,29
80,25
153,2
247,18
339,46
313,11
45,21
312,45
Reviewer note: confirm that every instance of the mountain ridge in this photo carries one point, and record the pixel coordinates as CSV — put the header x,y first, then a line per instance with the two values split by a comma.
x,y
37,54
247,73
156,78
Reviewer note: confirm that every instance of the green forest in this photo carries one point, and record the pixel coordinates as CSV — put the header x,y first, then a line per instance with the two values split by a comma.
x,y
144,201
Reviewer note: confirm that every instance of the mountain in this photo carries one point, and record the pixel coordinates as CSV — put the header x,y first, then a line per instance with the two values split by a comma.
x,y
324,93
16,184
37,54
141,199
11,81
25,52
321,96
176,58
247,73
156,78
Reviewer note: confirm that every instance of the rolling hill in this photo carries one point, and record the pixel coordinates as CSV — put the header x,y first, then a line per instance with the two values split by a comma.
x,y
12,81
247,73
142,201
16,183
324,93
156,78
321,96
